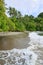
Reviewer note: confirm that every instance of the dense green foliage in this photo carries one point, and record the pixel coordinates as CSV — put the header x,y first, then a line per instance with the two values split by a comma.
x,y
2,6
5,23
41,15
28,23
17,22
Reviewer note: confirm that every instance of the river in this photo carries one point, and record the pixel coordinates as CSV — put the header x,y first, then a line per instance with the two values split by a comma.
x,y
23,49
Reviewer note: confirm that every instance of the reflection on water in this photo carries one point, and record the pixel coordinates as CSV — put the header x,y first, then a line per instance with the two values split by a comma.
x,y
25,50
10,42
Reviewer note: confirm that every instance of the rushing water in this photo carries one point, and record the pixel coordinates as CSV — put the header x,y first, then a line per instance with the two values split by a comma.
x,y
27,51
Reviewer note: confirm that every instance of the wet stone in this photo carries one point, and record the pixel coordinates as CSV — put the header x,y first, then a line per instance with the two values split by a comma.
x,y
30,57
11,60
21,60
23,53
14,58
3,55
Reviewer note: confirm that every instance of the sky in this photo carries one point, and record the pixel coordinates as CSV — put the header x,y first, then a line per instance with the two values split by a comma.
x,y
30,7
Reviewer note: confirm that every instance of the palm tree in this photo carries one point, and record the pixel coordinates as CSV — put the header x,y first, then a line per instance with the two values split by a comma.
x,y
12,12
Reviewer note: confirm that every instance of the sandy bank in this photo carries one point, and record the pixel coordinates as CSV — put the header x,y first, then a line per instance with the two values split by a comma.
x,y
11,33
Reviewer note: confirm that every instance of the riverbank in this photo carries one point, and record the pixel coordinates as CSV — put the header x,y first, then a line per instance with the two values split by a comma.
x,y
12,33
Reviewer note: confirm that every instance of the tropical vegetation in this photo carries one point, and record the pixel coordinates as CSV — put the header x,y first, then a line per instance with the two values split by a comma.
x,y
18,22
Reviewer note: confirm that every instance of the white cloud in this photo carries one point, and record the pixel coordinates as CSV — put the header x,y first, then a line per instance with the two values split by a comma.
x,y
27,6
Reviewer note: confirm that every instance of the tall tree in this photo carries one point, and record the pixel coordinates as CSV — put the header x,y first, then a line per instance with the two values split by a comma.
x,y
5,23
41,15
14,13
2,6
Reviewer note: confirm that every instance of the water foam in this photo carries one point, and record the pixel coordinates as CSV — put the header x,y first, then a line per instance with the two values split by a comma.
x,y
19,57
36,45
24,56
35,38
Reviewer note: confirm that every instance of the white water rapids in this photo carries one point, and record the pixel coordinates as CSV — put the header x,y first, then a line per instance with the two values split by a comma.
x,y
33,55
